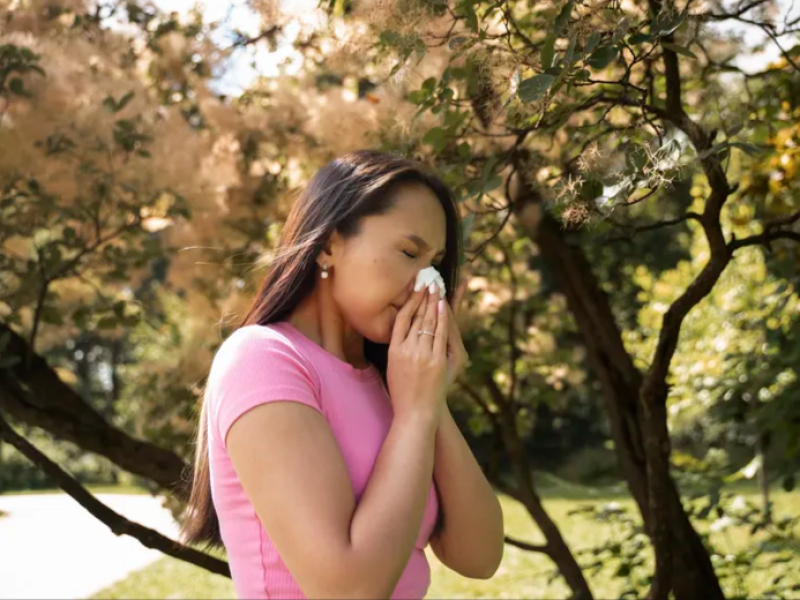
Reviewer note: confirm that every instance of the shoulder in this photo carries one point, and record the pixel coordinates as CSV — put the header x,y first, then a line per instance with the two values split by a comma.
x,y
255,365
256,350
257,341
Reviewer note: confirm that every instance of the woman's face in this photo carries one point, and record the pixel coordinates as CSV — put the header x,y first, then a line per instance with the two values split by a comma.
x,y
373,273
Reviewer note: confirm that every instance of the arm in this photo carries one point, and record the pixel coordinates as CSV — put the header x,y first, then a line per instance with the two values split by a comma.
x,y
472,539
292,470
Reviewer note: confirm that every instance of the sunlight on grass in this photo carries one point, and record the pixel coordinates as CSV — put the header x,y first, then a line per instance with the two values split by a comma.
x,y
521,575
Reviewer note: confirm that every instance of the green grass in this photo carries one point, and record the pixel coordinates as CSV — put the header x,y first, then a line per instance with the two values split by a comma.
x,y
170,578
521,575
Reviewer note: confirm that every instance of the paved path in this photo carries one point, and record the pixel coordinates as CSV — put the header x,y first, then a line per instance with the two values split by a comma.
x,y
51,547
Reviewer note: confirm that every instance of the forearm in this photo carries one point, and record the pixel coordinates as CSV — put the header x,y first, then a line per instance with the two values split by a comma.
x,y
471,542
387,521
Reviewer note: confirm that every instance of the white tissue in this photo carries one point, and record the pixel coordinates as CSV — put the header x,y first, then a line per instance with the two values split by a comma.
x,y
428,276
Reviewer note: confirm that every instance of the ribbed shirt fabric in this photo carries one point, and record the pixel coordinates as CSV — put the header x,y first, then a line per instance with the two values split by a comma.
x,y
266,363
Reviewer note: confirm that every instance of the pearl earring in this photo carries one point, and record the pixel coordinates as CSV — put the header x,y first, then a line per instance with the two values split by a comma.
x,y
325,271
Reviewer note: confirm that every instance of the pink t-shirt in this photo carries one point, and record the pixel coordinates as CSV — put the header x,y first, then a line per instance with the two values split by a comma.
x,y
259,364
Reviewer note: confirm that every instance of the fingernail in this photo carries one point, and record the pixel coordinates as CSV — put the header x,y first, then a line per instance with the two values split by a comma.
x,y
432,288
441,305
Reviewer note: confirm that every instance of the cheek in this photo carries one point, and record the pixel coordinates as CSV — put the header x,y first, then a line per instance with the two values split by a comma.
x,y
367,293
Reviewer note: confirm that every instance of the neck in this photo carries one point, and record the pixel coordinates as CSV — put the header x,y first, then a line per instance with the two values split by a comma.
x,y
319,320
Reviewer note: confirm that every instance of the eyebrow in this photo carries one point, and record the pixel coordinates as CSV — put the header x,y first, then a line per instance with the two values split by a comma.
x,y
423,244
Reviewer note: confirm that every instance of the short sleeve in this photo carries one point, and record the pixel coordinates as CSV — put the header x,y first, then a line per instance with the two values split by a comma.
x,y
256,365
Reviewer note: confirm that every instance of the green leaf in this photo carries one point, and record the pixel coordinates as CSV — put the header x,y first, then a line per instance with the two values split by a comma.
x,y
436,137
621,30
494,182
464,151
734,130
665,23
602,57
80,316
636,159
713,150
679,49
569,56
591,43
788,483
466,226
466,9
591,189
4,339
52,316
750,149
548,51
15,86
123,101
639,38
562,20
582,75
457,42
533,88
389,38
107,322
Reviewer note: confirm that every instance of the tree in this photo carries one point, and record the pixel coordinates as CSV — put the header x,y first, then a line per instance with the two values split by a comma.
x,y
572,133
528,96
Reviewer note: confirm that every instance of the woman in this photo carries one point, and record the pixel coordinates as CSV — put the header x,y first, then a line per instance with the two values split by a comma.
x,y
325,449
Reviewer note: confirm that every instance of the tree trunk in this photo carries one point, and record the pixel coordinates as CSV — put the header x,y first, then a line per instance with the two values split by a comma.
x,y
690,566
525,492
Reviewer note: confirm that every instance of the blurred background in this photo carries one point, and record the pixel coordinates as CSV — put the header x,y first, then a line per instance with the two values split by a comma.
x,y
627,174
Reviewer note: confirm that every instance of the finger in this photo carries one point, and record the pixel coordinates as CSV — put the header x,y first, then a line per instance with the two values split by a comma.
x,y
440,340
430,319
416,321
405,315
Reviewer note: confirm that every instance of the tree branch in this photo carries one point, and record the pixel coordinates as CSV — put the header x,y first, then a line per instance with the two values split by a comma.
x,y
543,548
633,230
772,231
118,524
725,16
35,395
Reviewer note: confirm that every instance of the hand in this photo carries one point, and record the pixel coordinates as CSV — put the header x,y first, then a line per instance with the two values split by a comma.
x,y
416,372
457,357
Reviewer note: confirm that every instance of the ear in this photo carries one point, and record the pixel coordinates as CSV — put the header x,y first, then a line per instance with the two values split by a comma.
x,y
331,251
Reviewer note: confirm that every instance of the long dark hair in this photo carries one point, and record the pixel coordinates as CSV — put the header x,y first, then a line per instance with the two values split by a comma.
x,y
337,198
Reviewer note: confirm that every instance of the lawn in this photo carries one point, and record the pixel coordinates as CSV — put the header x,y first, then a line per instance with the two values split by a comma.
x,y
521,575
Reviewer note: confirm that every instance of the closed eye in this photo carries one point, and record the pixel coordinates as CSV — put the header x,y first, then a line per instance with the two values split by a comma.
x,y
437,266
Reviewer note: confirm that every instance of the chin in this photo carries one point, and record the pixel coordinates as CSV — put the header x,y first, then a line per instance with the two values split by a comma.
x,y
382,332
